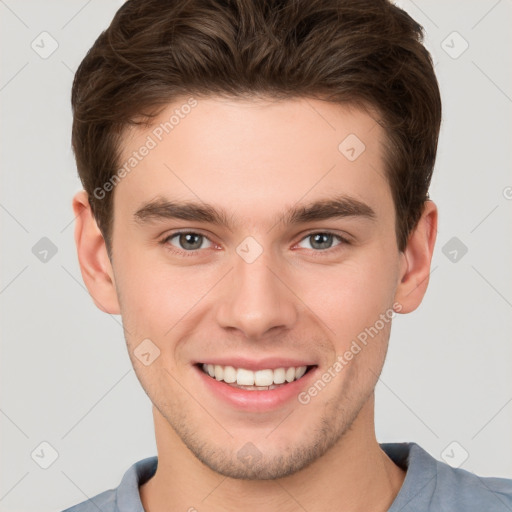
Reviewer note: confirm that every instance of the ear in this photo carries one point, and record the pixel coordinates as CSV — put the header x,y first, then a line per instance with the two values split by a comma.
x,y
416,259
95,265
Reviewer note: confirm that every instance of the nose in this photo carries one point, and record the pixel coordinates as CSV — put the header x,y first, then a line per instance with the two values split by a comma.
x,y
256,299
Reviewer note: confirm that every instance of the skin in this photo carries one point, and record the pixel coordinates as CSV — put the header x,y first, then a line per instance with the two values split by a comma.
x,y
254,158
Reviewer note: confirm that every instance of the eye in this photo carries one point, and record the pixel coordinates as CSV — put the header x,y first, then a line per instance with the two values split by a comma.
x,y
187,241
322,241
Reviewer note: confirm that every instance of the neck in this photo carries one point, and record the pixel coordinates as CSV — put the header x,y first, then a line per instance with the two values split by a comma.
x,y
355,474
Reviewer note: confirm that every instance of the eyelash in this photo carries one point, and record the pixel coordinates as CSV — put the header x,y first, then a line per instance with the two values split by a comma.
x,y
170,248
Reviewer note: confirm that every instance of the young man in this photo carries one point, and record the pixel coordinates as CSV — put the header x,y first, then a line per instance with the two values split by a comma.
x,y
256,208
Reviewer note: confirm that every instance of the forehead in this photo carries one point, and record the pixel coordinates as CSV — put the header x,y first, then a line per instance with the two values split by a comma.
x,y
253,156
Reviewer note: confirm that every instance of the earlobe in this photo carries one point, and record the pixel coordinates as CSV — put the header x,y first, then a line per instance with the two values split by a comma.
x,y
95,265
416,260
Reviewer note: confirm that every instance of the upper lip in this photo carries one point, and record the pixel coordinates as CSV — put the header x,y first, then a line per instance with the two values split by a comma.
x,y
258,364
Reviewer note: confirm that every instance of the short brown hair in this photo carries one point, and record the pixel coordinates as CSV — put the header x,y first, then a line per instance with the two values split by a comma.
x,y
364,52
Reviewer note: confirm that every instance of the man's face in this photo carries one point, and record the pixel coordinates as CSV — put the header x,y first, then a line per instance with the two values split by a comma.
x,y
269,290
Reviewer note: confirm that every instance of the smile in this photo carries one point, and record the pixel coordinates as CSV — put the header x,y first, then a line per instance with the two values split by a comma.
x,y
259,380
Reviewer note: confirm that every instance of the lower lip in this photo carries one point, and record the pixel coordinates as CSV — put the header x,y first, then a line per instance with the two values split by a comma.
x,y
257,400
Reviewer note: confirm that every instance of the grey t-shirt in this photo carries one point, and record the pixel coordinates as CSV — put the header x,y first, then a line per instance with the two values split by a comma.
x,y
429,486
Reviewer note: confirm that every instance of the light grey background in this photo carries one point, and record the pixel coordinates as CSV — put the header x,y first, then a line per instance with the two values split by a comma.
x,y
65,373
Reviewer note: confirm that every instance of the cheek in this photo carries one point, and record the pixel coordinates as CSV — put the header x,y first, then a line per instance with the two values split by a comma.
x,y
352,295
147,294
156,296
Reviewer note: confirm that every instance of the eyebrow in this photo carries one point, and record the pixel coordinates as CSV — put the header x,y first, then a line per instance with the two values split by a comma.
x,y
330,208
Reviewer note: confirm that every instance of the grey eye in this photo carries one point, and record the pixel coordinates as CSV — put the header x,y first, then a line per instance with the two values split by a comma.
x,y
320,241
188,241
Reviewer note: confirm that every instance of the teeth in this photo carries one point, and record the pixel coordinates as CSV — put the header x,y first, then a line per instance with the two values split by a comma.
x,y
300,372
260,378
219,372
290,374
263,378
279,376
229,374
244,377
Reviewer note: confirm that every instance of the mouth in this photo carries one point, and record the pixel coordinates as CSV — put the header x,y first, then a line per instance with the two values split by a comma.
x,y
258,380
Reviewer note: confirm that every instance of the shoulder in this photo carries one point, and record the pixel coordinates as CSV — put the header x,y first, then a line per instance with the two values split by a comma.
x,y
468,491
126,496
432,485
106,502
